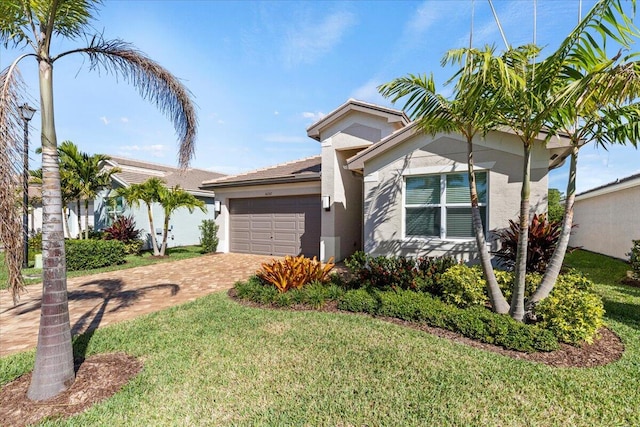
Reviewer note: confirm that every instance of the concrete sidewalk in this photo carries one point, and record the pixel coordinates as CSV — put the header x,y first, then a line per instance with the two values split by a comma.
x,y
124,294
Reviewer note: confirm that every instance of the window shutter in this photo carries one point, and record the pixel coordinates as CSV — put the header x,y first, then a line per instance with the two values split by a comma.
x,y
458,187
459,222
423,222
423,190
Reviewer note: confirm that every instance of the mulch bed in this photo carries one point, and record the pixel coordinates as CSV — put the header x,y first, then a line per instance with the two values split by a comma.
x,y
97,378
606,348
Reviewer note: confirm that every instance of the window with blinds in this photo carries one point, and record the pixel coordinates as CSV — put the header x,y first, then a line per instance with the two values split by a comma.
x,y
440,205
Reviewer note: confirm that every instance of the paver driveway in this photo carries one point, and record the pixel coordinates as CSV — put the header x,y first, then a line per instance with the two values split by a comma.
x,y
124,294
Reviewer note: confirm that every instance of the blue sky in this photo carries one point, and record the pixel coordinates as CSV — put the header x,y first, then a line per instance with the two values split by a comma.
x,y
262,72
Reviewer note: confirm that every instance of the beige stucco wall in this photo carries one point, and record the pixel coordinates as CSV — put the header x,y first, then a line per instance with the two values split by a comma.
x,y
499,154
275,190
607,223
341,228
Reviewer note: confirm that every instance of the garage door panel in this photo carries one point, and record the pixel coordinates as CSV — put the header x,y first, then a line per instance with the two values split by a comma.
x,y
275,226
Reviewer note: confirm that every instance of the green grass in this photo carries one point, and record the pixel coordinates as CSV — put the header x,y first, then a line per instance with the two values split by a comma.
x,y
215,362
145,258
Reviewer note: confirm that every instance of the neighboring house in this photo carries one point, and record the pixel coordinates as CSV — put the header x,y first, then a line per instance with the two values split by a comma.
x,y
608,218
183,225
382,186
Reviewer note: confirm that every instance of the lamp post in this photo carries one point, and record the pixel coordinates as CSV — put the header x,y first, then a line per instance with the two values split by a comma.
x,y
26,111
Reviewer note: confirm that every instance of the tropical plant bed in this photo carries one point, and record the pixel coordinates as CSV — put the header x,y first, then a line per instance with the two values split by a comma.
x,y
97,378
606,347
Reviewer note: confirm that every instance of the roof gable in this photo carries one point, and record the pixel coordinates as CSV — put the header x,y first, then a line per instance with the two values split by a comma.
x,y
352,105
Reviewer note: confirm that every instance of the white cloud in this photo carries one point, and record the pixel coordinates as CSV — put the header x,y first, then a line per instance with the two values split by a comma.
x,y
314,117
276,113
124,119
284,139
309,39
105,120
154,150
369,92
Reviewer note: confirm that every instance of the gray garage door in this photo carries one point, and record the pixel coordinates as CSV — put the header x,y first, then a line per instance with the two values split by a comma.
x,y
276,225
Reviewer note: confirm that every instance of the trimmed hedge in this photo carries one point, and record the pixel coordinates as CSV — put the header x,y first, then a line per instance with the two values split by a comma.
x,y
314,294
476,322
89,254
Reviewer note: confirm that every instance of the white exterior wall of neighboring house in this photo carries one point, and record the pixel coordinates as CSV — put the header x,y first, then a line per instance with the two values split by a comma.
x,y
608,219
384,189
225,194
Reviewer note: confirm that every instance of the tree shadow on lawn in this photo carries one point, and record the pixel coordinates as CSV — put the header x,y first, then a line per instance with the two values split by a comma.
x,y
626,313
111,291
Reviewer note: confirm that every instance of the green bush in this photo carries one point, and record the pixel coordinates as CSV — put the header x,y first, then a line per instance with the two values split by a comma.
x,y
385,273
505,280
315,294
209,235
573,312
358,301
464,286
89,254
476,322
634,259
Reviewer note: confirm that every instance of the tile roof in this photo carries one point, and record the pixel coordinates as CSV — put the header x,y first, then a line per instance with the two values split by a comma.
x,y
136,172
307,169
611,184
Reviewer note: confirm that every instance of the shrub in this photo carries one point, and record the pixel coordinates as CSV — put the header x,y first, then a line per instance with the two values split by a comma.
x,y
209,235
573,312
35,245
385,273
358,301
634,259
124,230
475,322
294,272
505,281
88,254
464,286
315,294
543,238
255,290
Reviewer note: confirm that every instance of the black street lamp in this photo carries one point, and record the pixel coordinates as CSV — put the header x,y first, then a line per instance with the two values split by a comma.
x,y
26,111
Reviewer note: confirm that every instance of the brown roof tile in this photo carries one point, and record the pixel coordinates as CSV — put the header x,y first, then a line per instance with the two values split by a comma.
x,y
136,172
307,169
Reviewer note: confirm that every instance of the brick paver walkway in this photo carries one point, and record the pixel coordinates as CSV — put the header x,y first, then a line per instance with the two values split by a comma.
x,y
124,294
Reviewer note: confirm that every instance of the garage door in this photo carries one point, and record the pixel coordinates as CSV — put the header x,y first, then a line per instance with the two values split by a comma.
x,y
275,225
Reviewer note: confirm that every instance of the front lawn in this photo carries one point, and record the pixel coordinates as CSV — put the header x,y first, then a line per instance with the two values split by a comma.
x,y
216,362
33,275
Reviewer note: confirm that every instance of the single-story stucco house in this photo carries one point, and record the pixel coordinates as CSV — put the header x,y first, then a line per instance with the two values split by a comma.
x,y
107,206
608,218
381,186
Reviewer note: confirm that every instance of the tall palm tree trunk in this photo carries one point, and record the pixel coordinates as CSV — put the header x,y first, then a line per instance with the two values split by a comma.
x,y
498,302
79,219
165,233
152,231
53,370
86,219
517,301
555,264
65,221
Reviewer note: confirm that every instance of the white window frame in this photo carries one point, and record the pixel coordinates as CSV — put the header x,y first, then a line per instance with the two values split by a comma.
x,y
443,205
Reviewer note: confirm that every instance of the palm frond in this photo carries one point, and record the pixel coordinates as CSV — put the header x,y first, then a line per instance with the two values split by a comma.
x,y
153,82
11,149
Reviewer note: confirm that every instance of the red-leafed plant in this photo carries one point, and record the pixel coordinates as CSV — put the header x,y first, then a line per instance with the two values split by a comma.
x,y
124,230
543,238
294,272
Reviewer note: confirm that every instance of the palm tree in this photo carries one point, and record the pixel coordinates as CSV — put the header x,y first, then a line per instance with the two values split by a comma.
x,y
470,114
89,177
171,199
605,113
26,23
148,192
